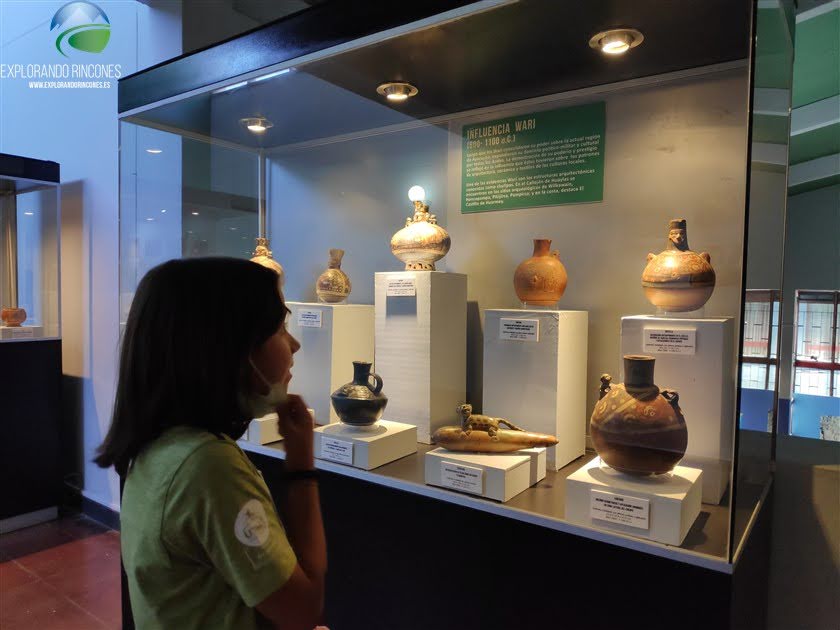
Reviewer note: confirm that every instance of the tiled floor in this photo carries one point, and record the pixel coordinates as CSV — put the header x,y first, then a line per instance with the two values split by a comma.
x,y
60,575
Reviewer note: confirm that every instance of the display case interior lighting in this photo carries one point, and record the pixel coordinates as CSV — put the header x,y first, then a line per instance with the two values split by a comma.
x,y
230,88
397,91
29,213
194,213
271,75
257,124
616,41
154,151
416,193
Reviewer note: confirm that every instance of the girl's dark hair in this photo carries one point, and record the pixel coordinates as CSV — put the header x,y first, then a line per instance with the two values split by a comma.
x,y
191,328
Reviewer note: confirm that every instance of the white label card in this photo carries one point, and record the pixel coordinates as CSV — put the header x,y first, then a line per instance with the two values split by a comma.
x,y
461,478
23,333
519,329
619,508
400,287
668,341
307,318
335,450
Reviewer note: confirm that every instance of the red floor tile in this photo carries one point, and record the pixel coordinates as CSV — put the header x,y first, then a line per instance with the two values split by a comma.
x,y
12,575
89,556
37,606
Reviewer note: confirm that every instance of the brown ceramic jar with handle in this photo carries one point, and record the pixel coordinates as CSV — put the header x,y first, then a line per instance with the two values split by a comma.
x,y
637,428
677,279
541,279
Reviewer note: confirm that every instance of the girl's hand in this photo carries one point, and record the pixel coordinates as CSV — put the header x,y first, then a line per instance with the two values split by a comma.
x,y
296,425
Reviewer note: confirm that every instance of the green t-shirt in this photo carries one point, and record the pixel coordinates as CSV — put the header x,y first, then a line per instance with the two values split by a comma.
x,y
201,540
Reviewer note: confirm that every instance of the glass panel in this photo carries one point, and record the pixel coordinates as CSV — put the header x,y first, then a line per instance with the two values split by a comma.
x,y
331,161
814,331
29,250
770,121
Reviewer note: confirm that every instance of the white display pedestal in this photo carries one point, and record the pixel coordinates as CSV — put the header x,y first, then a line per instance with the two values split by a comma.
x,y
264,430
331,337
365,447
421,346
21,332
535,375
660,508
497,476
696,360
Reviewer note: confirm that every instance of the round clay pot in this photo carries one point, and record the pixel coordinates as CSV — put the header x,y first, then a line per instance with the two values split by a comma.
x,y
359,403
422,242
635,427
333,285
678,279
12,317
262,256
541,279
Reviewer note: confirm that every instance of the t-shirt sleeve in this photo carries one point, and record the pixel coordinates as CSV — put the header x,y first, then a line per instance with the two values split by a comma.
x,y
219,511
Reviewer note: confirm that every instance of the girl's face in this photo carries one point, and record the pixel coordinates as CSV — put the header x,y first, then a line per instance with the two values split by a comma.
x,y
274,358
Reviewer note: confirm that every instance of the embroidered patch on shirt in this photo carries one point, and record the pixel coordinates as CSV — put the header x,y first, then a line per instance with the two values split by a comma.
x,y
251,526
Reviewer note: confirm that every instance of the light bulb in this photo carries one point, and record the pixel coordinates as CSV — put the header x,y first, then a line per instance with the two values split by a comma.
x,y
615,44
154,151
416,193
256,128
397,97
616,41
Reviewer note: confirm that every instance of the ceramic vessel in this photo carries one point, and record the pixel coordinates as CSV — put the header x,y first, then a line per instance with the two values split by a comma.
x,y
12,317
359,403
678,279
333,285
637,428
262,256
422,242
541,279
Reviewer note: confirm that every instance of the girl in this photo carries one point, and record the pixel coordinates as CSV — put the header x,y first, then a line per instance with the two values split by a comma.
x,y
205,350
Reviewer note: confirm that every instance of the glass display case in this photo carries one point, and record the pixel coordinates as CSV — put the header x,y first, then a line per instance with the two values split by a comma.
x,y
29,249
535,174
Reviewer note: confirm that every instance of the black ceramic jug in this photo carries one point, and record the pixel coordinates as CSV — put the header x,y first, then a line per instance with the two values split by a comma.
x,y
359,403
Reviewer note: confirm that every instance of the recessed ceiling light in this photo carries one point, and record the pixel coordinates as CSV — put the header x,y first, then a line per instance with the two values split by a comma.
x,y
230,88
28,213
154,151
149,219
616,41
163,211
256,124
397,91
194,213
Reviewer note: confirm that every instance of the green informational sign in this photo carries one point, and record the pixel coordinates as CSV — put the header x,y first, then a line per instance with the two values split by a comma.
x,y
540,159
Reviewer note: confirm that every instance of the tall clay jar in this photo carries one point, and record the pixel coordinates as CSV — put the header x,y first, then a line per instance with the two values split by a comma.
x,y
637,428
360,403
333,285
541,279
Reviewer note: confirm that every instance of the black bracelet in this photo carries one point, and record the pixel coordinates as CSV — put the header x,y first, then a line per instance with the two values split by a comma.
x,y
300,475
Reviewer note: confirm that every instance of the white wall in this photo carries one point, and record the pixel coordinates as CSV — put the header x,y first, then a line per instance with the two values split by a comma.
x,y
77,127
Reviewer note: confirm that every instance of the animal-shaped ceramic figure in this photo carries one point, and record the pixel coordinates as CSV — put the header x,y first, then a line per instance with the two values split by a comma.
x,y
485,434
477,422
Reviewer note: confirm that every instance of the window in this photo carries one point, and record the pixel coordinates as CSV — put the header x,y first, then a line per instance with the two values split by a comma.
x,y
816,366
760,356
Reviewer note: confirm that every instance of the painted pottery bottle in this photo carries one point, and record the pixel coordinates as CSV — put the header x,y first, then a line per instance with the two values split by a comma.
x,y
422,241
678,279
333,285
359,403
541,279
637,428
262,256
12,317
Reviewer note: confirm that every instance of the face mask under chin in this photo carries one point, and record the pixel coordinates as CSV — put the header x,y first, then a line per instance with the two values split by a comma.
x,y
257,405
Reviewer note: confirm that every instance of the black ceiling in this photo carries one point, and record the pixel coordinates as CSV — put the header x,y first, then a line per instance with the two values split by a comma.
x,y
516,51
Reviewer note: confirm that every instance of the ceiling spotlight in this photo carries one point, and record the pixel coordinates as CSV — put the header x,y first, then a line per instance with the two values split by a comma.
x,y
257,124
397,91
616,41
154,151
